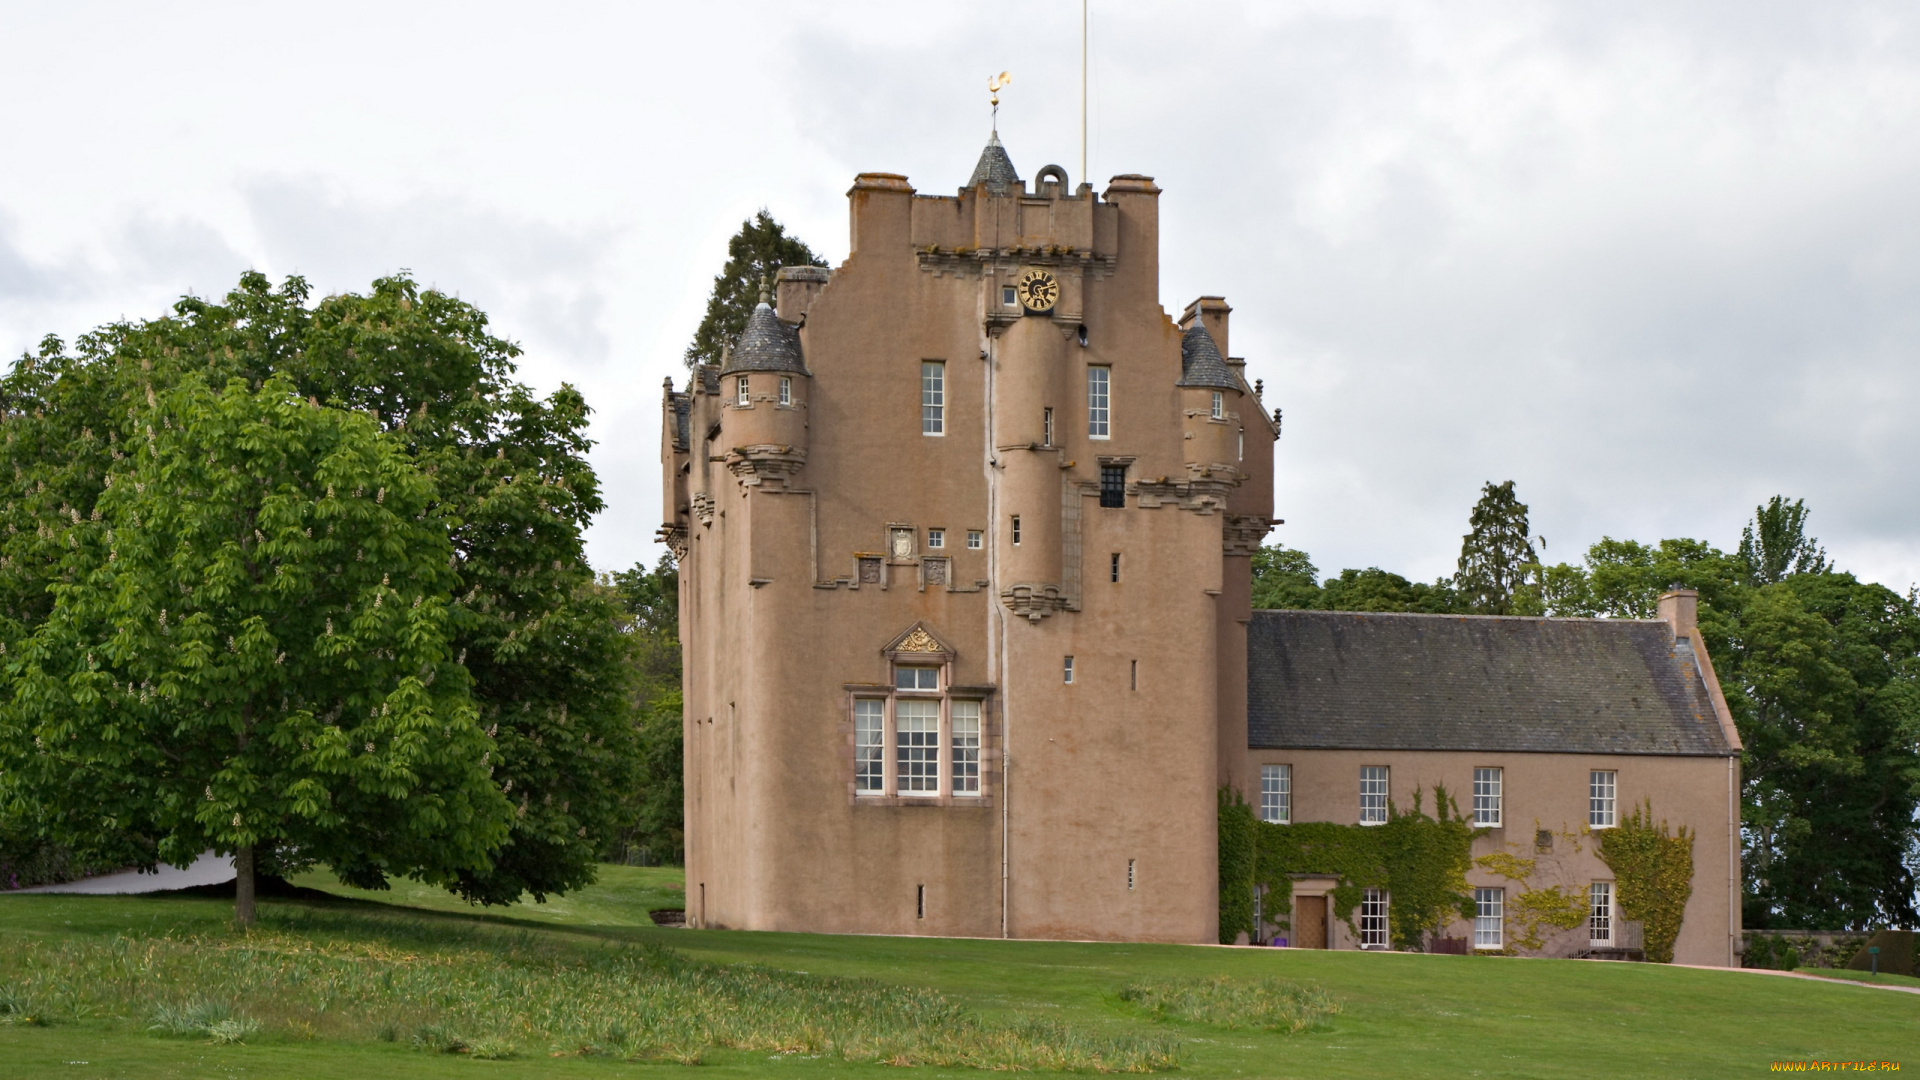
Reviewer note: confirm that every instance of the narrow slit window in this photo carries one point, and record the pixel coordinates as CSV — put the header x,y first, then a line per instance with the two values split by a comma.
x,y
966,748
1133,675
1113,568
1276,794
869,776
920,902
786,389
933,397
1373,794
1016,530
917,742
1046,427
1067,670
1132,875
740,397
1099,402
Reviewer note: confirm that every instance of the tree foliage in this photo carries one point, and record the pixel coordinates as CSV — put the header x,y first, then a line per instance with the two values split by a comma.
x,y
1775,543
510,489
650,601
754,255
1284,578
1497,555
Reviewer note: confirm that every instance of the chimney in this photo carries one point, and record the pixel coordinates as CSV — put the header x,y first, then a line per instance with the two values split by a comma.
x,y
1680,609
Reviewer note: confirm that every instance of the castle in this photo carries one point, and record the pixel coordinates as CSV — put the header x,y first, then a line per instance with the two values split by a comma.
x,y
965,529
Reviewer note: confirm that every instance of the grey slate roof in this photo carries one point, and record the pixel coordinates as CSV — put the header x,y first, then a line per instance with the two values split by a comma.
x,y
1366,681
767,344
1201,363
995,168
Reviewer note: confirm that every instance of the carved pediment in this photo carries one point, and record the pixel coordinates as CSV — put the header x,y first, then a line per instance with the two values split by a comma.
x,y
917,640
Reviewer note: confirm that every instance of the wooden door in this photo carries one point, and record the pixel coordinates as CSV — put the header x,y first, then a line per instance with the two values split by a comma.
x,y
1309,922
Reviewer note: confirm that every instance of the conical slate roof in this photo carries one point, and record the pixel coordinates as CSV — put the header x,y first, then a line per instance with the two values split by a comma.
x,y
767,344
1200,361
995,168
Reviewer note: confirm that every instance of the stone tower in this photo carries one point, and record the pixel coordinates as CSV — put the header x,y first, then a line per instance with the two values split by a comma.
x,y
964,528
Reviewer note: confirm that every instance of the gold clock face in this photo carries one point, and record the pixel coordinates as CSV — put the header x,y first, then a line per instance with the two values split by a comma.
x,y
1038,290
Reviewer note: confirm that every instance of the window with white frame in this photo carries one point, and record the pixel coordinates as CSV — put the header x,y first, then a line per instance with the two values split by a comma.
x,y
1600,922
1489,918
933,397
916,678
1487,797
786,389
1009,296
1099,402
1373,919
1016,530
917,745
1373,794
1601,788
966,748
1046,427
936,538
740,397
1219,405
974,539
1067,670
869,770
1276,793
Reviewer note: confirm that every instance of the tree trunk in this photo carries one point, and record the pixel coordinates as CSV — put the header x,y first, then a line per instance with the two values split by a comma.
x,y
243,886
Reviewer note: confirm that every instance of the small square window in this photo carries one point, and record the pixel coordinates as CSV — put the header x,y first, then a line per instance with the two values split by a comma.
x,y
974,539
1008,297
916,678
936,538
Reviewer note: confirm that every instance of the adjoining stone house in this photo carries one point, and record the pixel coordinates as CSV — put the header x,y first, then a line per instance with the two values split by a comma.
x,y
1544,731
965,528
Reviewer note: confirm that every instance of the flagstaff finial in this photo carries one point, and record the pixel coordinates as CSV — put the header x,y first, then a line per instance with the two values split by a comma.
x,y
994,86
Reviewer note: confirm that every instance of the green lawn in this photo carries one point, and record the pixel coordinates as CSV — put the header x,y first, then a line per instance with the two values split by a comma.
x,y
1402,1015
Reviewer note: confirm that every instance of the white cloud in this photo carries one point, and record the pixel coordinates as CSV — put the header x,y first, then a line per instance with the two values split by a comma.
x,y
1656,262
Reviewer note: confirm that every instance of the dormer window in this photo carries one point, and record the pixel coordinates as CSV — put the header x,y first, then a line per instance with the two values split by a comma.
x,y
740,398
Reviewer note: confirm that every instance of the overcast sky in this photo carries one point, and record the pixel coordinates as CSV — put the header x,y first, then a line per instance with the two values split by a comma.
x,y
1654,261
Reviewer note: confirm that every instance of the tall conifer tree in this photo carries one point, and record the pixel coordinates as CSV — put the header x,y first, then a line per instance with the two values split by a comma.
x,y
1498,555
754,255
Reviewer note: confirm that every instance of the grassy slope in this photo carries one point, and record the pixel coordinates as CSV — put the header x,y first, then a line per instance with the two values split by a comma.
x,y
1405,1015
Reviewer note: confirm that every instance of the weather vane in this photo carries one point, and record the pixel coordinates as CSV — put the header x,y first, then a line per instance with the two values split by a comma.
x,y
994,86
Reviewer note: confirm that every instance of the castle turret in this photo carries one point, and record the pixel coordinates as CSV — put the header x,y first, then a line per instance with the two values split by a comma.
x,y
1210,398
763,386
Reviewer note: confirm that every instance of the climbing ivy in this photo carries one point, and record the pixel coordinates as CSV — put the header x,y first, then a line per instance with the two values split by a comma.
x,y
1421,861
1653,875
1530,911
